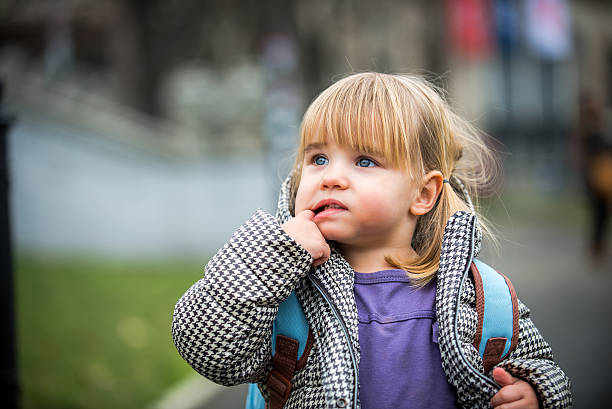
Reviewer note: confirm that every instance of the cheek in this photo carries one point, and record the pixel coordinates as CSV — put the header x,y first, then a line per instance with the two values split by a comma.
x,y
381,211
301,199
305,192
299,203
385,204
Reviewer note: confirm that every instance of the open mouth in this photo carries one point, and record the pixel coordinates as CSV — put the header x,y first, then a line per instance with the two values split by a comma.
x,y
328,204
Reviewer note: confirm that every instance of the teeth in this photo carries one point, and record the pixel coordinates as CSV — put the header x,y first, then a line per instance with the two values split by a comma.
x,y
329,206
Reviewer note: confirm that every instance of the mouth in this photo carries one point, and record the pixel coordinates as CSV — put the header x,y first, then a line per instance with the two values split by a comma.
x,y
328,204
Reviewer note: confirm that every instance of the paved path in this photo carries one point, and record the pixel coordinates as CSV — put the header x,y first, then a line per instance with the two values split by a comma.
x,y
570,299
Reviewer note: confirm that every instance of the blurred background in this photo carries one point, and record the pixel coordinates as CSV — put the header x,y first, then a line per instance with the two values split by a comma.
x,y
139,134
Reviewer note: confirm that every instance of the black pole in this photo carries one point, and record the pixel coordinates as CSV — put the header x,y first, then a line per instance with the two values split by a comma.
x,y
9,388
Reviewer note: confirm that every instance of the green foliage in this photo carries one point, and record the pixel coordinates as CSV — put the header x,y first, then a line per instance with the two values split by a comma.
x,y
95,333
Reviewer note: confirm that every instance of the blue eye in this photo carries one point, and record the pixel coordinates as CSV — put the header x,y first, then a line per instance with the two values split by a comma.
x,y
320,160
365,163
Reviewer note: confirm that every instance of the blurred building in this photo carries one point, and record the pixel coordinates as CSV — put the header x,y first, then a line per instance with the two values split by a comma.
x,y
201,63
191,81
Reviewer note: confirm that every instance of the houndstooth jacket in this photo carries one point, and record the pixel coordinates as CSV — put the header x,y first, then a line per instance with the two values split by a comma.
x,y
222,324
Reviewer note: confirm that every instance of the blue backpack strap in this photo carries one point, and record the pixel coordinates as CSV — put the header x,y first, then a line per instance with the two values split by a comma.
x,y
497,332
254,399
289,327
291,322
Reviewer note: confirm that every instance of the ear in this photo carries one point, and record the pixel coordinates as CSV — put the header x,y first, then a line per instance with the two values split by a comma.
x,y
427,196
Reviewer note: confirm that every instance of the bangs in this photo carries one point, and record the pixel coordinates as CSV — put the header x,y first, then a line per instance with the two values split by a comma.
x,y
364,113
405,121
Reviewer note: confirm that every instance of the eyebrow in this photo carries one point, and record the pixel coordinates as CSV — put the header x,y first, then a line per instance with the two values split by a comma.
x,y
319,145
374,152
314,146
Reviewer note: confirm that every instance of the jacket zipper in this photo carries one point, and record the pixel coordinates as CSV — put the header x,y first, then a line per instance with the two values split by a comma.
x,y
319,286
458,303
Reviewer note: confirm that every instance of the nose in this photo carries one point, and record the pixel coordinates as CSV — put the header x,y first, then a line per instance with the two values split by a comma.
x,y
335,177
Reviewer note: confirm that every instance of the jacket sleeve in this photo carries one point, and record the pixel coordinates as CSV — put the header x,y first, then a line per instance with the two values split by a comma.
x,y
532,360
222,324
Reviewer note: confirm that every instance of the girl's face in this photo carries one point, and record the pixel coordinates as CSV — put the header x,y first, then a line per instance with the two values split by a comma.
x,y
357,197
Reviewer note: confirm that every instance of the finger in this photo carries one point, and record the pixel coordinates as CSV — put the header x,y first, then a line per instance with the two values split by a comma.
x,y
324,257
305,214
503,378
319,261
519,404
507,394
326,251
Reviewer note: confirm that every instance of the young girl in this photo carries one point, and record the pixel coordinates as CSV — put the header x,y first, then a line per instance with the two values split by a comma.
x,y
374,231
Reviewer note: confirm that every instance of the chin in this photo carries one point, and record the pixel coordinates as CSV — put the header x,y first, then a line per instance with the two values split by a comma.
x,y
334,234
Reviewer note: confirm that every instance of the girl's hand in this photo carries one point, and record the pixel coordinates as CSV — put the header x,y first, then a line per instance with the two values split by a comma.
x,y
303,230
514,394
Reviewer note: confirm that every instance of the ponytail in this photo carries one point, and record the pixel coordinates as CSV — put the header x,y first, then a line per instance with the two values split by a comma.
x,y
424,265
469,167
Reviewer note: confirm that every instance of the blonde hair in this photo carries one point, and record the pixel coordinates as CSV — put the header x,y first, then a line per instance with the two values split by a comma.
x,y
405,118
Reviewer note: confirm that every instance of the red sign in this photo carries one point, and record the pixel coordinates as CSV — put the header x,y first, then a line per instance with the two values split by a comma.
x,y
469,23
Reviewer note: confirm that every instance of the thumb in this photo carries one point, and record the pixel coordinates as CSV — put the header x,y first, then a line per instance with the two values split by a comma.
x,y
502,377
305,214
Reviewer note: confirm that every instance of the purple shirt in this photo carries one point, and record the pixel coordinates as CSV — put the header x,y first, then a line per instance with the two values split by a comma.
x,y
400,363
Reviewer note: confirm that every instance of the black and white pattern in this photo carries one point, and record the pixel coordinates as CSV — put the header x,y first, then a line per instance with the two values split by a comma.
x,y
222,325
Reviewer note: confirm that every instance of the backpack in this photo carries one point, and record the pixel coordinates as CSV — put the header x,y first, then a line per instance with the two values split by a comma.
x,y
496,333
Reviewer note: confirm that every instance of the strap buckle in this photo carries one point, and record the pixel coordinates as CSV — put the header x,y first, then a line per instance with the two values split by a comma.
x,y
279,385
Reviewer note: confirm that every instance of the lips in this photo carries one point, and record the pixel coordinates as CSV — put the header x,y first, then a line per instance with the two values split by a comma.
x,y
328,207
